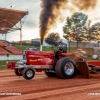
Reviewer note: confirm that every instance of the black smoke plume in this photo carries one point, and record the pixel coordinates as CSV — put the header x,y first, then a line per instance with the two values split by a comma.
x,y
50,12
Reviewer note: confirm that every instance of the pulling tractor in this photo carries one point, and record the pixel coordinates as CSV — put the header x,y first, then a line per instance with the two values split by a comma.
x,y
52,63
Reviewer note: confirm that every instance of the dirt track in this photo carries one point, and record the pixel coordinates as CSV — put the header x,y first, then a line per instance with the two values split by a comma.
x,y
43,88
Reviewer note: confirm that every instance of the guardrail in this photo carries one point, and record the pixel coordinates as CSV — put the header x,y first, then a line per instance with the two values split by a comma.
x,y
11,57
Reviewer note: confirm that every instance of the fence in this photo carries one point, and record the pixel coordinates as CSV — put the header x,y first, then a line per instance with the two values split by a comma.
x,y
83,44
11,57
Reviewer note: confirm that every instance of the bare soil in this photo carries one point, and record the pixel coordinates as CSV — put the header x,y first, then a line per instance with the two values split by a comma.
x,y
42,87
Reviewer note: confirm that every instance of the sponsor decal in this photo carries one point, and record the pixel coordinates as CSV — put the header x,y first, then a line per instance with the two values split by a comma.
x,y
35,60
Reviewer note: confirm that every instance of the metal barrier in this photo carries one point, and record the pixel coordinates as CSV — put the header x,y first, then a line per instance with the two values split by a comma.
x,y
11,57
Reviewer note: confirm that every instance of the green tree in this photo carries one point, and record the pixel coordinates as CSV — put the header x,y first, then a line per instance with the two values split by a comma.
x,y
92,32
95,32
75,27
52,38
67,29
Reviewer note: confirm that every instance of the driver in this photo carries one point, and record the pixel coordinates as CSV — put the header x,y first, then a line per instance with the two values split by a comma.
x,y
60,47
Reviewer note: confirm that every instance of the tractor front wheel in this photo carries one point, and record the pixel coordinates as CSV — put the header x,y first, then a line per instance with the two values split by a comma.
x,y
28,73
65,68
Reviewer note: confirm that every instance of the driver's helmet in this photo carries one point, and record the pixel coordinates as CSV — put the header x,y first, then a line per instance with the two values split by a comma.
x,y
60,45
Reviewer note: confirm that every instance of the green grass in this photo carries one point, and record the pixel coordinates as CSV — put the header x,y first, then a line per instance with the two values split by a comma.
x,y
3,62
3,67
45,48
89,51
25,46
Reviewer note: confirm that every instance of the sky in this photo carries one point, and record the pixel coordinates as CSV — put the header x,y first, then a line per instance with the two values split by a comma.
x,y
30,29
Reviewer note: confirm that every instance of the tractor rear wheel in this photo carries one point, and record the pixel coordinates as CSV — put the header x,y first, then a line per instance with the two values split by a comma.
x,y
50,74
28,73
65,68
17,72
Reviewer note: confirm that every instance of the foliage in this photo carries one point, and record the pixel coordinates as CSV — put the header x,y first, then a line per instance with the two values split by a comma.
x,y
52,38
95,32
67,30
74,28
77,28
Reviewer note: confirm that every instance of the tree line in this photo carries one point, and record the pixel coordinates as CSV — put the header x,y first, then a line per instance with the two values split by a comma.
x,y
77,28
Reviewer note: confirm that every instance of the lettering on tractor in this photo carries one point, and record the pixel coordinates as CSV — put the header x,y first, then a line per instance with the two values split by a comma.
x,y
35,60
39,59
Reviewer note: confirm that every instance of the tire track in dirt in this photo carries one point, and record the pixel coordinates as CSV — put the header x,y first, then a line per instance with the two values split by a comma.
x,y
45,84
42,87
45,94
73,96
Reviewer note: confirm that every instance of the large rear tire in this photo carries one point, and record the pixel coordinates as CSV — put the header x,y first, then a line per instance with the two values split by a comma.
x,y
65,68
28,73
50,74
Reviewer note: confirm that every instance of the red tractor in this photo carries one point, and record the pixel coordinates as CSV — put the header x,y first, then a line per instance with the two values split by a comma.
x,y
53,63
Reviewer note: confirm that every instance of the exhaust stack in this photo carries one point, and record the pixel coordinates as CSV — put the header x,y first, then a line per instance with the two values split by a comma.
x,y
41,47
